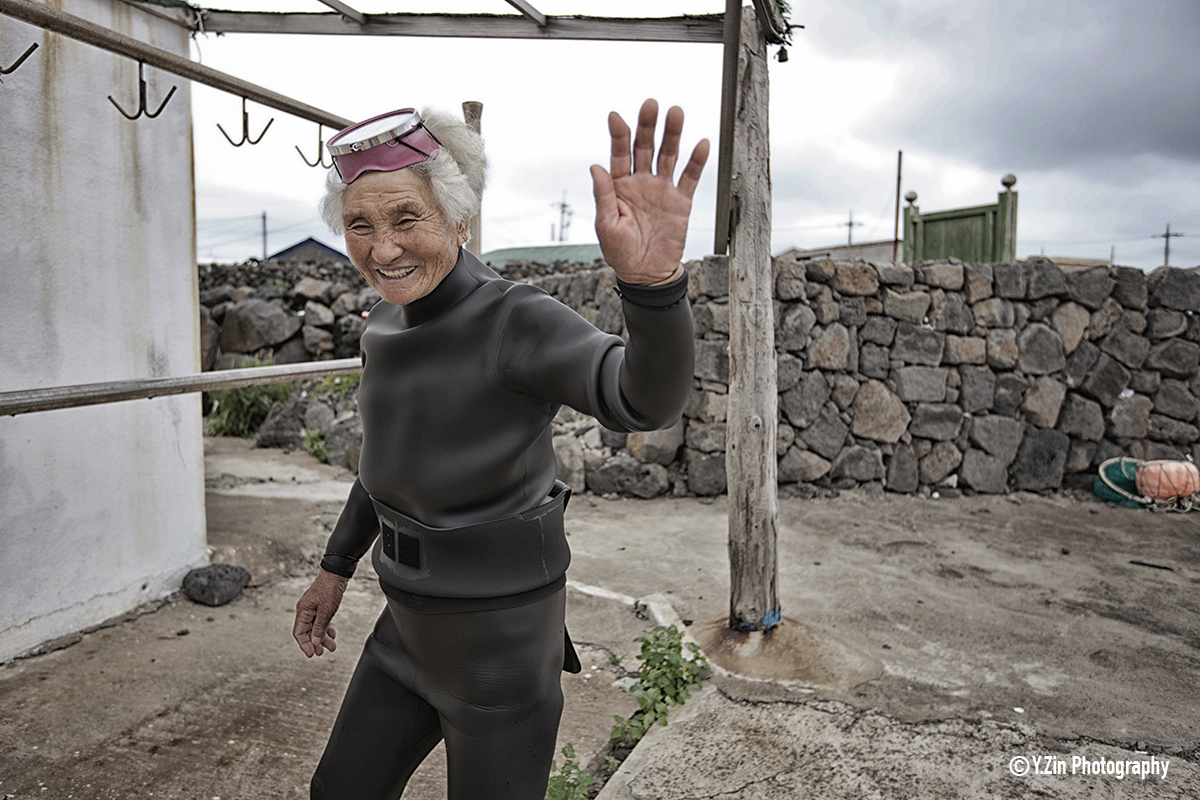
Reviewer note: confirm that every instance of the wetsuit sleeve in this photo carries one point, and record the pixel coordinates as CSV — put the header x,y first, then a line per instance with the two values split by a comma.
x,y
352,537
550,352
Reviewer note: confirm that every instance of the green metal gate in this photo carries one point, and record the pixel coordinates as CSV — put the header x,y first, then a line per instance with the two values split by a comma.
x,y
976,234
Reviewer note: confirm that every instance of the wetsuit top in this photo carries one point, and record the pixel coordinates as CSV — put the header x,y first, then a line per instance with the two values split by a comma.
x,y
459,389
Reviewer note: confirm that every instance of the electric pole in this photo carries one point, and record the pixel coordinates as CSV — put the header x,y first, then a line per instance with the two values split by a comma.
x,y
896,223
264,220
1166,237
851,225
564,218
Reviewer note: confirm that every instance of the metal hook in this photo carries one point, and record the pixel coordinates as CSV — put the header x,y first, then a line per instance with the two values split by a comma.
x,y
246,129
19,61
320,162
142,111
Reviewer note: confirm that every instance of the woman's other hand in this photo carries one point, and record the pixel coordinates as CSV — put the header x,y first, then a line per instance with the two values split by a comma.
x,y
314,611
641,213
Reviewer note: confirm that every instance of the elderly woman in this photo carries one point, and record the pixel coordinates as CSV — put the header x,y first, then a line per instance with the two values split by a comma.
x,y
463,373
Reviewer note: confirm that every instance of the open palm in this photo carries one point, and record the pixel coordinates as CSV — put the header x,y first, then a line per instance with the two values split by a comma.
x,y
641,213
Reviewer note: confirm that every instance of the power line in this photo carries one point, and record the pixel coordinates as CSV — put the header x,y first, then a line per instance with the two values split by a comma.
x,y
882,216
242,218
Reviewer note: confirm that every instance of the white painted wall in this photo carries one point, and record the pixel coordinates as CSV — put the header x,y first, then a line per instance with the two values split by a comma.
x,y
101,508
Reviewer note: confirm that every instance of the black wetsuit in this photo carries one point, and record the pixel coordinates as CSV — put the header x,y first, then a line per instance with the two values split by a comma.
x,y
458,392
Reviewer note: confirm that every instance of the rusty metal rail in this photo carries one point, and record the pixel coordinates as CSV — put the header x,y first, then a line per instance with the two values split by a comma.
x,y
89,394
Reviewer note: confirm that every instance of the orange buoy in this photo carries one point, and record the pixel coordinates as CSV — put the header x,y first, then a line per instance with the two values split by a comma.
x,y
1164,479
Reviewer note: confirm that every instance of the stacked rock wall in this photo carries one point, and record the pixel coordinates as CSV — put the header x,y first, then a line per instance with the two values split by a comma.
x,y
280,317
933,377
294,310
937,377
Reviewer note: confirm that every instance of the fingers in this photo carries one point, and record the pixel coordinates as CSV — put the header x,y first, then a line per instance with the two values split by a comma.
x,y
302,630
619,164
318,637
668,153
695,166
643,150
643,142
606,196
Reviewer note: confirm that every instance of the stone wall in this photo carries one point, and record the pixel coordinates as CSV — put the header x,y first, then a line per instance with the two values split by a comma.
x,y
277,274
311,319
938,377
295,310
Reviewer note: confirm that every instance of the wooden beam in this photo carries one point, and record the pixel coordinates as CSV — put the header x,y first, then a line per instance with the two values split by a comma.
x,y
60,22
90,394
473,116
705,29
751,424
529,11
731,35
346,11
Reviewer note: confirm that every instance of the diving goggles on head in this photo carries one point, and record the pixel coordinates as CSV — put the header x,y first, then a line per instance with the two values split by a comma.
x,y
386,143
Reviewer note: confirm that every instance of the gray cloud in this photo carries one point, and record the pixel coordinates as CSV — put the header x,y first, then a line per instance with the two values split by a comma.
x,y
1035,84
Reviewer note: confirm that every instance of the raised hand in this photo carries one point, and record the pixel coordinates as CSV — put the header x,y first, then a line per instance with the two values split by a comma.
x,y
641,213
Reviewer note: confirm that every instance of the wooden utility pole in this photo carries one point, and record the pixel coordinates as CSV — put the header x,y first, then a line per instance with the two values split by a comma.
x,y
473,115
851,225
1166,237
753,398
896,221
565,212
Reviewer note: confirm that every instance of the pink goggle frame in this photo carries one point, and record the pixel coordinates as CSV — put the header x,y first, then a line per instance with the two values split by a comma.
x,y
385,143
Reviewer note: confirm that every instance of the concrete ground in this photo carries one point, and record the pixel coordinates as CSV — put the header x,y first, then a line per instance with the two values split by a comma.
x,y
1007,632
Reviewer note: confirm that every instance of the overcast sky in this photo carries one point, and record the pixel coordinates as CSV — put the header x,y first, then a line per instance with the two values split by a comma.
x,y
1094,106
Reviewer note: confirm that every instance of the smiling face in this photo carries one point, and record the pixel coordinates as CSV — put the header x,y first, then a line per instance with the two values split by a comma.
x,y
397,236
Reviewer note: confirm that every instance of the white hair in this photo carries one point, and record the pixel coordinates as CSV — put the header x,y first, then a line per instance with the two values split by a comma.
x,y
457,173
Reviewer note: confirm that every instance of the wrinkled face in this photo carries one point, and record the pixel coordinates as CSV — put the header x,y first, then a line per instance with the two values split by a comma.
x,y
397,236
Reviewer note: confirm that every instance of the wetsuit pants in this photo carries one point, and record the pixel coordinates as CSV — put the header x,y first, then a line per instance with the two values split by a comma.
x,y
485,681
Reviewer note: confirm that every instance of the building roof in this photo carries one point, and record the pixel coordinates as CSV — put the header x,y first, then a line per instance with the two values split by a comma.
x,y
868,251
548,254
310,243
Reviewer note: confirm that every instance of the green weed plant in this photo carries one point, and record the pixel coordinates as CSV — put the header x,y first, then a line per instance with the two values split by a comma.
x,y
667,672
242,411
568,781
314,443
338,386
666,676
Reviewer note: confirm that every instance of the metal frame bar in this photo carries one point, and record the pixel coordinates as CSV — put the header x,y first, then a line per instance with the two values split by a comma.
x,y
89,394
60,22
700,29
529,11
346,11
183,17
